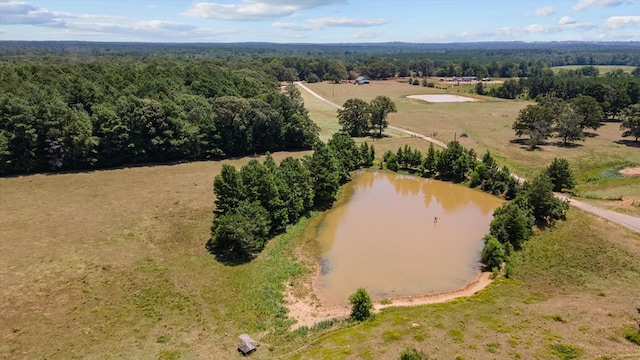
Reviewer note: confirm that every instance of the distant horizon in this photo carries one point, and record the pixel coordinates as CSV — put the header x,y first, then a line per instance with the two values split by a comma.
x,y
328,43
320,21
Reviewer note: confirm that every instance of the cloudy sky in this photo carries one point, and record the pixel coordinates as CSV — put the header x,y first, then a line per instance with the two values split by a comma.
x,y
320,21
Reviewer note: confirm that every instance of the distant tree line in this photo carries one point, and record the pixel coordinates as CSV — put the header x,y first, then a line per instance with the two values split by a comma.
x,y
531,202
261,199
341,61
68,115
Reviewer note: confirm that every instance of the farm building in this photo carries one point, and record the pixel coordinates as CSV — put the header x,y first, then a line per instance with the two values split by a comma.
x,y
361,80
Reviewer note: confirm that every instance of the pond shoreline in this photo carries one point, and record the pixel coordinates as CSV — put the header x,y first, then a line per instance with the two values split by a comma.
x,y
309,311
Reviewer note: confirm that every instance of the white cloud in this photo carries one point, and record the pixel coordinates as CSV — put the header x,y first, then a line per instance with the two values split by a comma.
x,y
617,22
295,26
565,20
565,24
253,10
21,13
585,4
321,23
16,13
545,11
367,34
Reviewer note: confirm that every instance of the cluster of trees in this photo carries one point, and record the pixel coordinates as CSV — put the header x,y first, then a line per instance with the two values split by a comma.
x,y
76,115
261,199
457,164
532,202
359,118
568,120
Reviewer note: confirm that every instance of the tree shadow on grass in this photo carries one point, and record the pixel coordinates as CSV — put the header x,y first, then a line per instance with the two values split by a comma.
x,y
225,256
524,144
630,143
569,145
591,134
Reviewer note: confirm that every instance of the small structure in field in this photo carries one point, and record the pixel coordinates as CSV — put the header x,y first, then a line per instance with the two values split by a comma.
x,y
248,345
361,80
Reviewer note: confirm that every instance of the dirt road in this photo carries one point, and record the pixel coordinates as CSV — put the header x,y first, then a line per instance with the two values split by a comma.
x,y
630,222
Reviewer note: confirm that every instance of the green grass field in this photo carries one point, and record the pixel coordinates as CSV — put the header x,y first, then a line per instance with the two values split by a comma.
x,y
111,264
603,69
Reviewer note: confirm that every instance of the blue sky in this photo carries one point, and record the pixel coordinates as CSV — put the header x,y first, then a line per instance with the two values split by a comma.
x,y
320,21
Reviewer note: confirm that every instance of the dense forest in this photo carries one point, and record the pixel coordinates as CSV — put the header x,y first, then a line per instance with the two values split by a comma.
x,y
65,115
76,105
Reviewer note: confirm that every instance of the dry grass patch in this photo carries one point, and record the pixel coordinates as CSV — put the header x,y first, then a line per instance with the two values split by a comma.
x,y
112,264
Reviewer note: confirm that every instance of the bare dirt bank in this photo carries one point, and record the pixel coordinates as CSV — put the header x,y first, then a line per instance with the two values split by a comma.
x,y
309,311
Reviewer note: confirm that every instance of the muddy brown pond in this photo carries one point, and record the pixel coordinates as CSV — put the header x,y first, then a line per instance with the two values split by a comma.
x,y
399,235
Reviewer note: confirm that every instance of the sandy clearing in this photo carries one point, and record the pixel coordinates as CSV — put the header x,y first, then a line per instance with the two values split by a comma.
x,y
309,311
442,98
630,171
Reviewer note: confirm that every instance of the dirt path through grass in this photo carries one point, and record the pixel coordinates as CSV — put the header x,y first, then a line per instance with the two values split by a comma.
x,y
405,131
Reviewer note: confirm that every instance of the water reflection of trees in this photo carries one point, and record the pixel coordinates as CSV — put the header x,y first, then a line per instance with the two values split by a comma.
x,y
451,196
365,179
405,185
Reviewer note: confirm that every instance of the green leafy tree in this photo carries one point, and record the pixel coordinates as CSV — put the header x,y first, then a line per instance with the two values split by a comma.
x,y
590,111
534,121
545,206
454,162
512,222
379,108
566,121
390,160
367,154
325,175
346,152
227,187
259,184
560,174
361,305
296,187
431,161
18,128
493,253
631,122
242,233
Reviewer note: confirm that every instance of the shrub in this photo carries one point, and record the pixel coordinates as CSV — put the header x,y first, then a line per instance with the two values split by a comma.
x,y
633,336
560,174
493,253
413,354
361,305
312,78
566,351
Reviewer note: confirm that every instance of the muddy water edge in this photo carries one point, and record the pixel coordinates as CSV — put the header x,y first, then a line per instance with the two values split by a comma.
x,y
398,235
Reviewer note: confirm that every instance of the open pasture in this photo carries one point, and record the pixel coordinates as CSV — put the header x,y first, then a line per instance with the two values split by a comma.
x,y
111,264
603,69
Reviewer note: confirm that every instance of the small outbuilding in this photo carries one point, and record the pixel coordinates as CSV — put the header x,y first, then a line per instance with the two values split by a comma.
x,y
248,345
361,80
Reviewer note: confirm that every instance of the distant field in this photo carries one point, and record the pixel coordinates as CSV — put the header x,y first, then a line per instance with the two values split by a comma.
x,y
487,126
602,68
